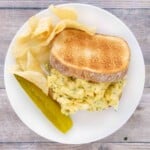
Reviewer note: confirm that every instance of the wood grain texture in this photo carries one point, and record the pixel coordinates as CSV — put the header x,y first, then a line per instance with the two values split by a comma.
x,y
99,3
1,76
136,129
135,134
127,146
91,146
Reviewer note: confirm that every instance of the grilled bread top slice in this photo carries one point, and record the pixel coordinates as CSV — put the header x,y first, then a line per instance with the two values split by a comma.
x,y
98,58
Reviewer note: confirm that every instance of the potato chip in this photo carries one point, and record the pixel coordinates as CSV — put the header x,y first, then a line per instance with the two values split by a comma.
x,y
43,28
68,24
35,77
32,63
22,45
28,51
26,32
64,13
18,49
22,62
29,28
79,26
58,28
33,23
41,53
30,69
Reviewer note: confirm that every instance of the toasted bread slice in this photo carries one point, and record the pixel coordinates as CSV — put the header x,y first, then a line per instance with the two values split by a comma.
x,y
97,58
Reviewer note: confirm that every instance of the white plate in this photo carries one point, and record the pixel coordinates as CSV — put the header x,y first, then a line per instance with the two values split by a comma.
x,y
88,126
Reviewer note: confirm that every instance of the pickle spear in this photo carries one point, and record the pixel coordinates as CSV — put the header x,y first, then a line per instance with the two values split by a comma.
x,y
49,107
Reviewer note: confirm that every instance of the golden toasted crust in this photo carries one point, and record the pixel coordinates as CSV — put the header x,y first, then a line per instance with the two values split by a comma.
x,y
97,58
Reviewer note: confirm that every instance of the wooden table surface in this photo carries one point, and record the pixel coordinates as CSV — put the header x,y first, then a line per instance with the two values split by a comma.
x,y
135,134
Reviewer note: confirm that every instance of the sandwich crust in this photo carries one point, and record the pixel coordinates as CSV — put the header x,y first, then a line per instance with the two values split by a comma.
x,y
97,58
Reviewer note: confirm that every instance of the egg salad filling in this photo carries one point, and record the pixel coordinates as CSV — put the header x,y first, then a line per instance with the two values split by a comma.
x,y
77,94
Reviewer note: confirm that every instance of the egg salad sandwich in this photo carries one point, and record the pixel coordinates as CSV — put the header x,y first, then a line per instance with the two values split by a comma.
x,y
87,71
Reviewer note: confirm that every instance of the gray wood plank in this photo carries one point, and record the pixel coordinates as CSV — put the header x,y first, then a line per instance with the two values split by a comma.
x,y
1,76
135,130
90,146
124,146
137,19
147,76
100,3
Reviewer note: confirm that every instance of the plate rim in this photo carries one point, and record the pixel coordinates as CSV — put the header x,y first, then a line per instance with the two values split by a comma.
x,y
120,21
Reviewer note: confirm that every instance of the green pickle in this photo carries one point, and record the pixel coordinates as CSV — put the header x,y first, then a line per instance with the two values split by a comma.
x,y
49,107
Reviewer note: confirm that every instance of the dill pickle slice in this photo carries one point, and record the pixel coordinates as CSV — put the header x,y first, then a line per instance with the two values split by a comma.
x,y
49,107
